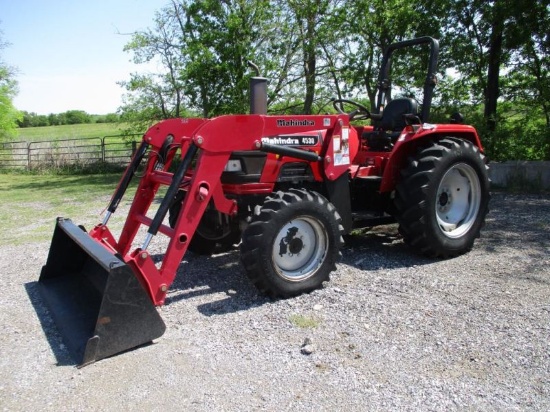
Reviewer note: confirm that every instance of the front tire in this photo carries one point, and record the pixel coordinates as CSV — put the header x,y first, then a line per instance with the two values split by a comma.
x,y
292,243
443,197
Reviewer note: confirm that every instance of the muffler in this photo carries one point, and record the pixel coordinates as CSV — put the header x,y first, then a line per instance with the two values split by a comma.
x,y
97,302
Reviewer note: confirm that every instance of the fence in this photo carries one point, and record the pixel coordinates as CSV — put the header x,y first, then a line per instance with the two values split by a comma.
x,y
116,150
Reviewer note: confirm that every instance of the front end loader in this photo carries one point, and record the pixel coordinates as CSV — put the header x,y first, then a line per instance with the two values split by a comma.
x,y
101,290
287,188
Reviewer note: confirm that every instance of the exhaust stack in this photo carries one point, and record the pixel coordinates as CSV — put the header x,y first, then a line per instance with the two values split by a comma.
x,y
258,92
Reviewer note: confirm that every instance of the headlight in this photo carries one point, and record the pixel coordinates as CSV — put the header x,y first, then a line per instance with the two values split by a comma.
x,y
233,166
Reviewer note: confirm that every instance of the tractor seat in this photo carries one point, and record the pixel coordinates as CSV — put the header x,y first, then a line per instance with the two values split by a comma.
x,y
388,128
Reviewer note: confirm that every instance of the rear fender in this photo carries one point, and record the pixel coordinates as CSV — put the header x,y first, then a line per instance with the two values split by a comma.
x,y
415,136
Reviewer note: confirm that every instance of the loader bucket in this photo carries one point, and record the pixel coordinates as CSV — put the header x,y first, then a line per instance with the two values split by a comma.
x,y
99,306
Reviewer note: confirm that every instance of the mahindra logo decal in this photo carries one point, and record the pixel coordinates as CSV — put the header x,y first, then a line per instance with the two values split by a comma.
x,y
292,140
294,122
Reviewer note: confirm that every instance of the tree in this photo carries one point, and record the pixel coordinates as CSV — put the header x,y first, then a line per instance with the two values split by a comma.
x,y
500,49
308,17
155,96
528,79
527,84
212,42
203,46
484,35
9,115
222,37
77,117
376,25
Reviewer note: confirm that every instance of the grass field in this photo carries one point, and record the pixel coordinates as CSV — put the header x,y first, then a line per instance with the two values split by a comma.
x,y
69,131
29,204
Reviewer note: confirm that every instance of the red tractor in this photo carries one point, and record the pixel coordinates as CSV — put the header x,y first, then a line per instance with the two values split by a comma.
x,y
287,188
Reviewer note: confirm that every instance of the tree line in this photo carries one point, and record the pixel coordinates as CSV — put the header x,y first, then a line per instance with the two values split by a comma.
x,y
31,119
494,61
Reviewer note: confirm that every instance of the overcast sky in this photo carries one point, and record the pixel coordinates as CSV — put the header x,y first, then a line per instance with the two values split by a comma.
x,y
69,52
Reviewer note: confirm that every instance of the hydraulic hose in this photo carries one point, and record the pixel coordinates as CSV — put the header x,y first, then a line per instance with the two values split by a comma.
x,y
170,194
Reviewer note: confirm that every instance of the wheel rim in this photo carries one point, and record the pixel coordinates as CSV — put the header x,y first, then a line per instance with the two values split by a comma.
x,y
458,200
300,248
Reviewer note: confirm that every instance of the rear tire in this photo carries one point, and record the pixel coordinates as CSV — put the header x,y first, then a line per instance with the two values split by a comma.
x,y
292,243
443,197
216,232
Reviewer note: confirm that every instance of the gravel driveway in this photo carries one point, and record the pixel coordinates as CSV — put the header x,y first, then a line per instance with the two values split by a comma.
x,y
391,331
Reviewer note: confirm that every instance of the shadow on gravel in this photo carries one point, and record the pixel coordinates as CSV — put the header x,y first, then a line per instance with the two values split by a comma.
x,y
220,276
517,221
380,247
48,326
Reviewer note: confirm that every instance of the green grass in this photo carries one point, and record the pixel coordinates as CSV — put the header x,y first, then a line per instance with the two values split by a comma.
x,y
29,204
69,131
304,322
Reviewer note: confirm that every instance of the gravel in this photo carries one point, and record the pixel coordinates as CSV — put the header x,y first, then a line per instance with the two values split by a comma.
x,y
390,331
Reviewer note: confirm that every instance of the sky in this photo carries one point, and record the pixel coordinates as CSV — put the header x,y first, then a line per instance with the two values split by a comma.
x,y
69,53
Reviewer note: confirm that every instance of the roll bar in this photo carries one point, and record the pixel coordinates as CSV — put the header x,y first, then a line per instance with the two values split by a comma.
x,y
431,79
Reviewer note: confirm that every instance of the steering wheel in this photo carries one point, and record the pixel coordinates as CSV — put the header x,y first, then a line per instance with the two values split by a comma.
x,y
360,113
